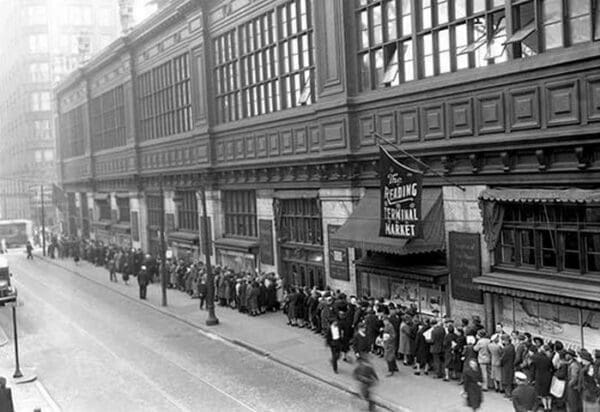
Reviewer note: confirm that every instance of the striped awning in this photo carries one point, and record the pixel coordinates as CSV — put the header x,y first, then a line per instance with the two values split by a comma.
x,y
537,195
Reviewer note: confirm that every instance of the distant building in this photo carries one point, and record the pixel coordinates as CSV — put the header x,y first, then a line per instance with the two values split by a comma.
x,y
40,43
269,107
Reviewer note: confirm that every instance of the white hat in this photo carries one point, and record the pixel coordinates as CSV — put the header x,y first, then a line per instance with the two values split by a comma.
x,y
520,376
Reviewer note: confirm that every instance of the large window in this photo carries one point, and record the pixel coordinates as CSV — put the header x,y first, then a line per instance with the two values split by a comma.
x,y
103,209
39,72
550,237
38,43
188,212
108,119
301,221
40,101
403,40
165,99
123,206
266,64
239,208
72,132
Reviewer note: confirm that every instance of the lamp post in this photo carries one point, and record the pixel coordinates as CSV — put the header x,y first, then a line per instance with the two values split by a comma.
x,y
210,281
163,252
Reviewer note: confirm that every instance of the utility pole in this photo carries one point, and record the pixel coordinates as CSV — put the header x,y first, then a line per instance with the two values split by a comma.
x,y
163,253
43,221
210,281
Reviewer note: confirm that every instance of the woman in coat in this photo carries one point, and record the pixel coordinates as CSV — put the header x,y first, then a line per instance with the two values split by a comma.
x,y
253,299
448,347
422,352
541,374
507,365
472,384
457,353
404,342
389,346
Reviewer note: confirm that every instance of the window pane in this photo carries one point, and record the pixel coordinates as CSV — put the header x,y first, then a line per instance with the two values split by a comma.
x,y
444,50
391,32
428,68
442,11
478,6
365,70
460,9
426,15
379,66
462,60
364,29
406,17
580,29
408,61
552,19
377,25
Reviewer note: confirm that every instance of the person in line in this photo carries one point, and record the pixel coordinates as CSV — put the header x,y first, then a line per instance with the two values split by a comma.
x,y
6,400
484,358
389,346
541,371
507,365
524,397
437,348
143,280
366,377
334,341
472,384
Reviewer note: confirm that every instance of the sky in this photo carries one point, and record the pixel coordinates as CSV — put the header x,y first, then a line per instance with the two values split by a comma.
x,y
141,10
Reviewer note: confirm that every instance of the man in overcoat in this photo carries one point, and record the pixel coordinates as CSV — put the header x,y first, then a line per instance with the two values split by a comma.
x,y
143,280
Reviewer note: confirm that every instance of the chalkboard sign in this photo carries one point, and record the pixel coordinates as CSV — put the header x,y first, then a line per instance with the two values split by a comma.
x,y
338,256
265,236
135,231
465,264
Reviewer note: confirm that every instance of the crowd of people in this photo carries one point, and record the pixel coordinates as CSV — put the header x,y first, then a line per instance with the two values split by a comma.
x,y
531,372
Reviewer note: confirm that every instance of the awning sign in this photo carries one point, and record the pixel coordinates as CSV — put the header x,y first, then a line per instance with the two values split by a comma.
x,y
401,190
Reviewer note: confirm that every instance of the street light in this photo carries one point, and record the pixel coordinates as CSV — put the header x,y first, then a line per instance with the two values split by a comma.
x,y
210,282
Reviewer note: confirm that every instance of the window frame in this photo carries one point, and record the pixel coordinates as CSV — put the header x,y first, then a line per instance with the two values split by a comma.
x,y
240,213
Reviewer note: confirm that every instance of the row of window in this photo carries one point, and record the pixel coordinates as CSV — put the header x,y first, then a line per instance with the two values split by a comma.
x,y
165,105
554,238
108,119
404,40
266,64
301,221
72,132
44,155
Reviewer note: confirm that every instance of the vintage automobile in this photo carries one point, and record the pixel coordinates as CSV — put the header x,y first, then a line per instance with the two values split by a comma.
x,y
7,292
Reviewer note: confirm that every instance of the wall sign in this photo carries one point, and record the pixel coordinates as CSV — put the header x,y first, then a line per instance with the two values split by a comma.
x,y
400,198
338,256
465,264
265,238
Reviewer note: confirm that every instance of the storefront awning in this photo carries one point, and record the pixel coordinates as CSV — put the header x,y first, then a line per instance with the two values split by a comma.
x,y
240,245
361,229
101,196
396,268
122,195
188,238
121,227
536,195
556,290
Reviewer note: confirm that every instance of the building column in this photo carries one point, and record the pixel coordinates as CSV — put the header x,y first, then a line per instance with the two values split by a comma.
x,y
143,222
264,211
336,207
135,206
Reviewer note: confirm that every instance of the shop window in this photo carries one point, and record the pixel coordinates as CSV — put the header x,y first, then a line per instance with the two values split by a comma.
x,y
124,212
103,209
555,238
239,209
187,213
301,221
72,132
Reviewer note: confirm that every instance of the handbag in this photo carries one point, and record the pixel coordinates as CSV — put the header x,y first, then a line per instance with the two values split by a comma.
x,y
557,387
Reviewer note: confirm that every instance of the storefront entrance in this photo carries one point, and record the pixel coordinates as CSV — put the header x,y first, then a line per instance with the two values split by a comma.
x,y
304,274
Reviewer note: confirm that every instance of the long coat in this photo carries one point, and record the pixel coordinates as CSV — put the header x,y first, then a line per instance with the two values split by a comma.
x,y
541,373
422,347
404,345
389,344
471,379
507,363
572,394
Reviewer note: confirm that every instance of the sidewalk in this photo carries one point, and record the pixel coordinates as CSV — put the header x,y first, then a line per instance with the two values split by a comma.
x,y
299,349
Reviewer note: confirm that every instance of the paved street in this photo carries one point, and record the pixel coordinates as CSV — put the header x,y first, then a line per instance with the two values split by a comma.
x,y
97,350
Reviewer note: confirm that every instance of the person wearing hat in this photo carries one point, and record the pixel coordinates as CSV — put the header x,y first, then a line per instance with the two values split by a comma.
x,y
507,365
524,396
588,386
572,395
143,280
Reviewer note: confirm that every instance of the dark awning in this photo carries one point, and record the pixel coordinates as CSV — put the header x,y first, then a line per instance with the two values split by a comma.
x,y
361,229
540,288
121,227
239,245
528,195
395,267
188,238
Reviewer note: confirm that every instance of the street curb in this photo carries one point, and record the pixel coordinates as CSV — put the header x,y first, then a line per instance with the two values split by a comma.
x,y
239,343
